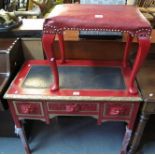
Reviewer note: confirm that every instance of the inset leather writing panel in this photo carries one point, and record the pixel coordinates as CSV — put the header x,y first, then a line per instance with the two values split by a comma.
x,y
79,77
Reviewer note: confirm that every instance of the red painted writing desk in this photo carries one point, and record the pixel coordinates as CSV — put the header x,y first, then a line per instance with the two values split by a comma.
x,y
103,90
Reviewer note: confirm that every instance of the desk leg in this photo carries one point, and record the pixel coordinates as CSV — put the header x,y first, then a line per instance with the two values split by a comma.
x,y
143,49
19,130
47,42
127,50
21,133
138,133
126,140
129,129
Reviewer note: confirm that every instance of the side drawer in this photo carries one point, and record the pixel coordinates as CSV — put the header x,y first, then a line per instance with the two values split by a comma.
x,y
71,107
118,109
28,108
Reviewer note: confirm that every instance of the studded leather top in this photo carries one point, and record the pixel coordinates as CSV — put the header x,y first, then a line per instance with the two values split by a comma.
x,y
98,18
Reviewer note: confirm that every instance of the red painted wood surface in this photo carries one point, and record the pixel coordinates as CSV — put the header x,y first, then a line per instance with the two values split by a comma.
x,y
103,104
22,106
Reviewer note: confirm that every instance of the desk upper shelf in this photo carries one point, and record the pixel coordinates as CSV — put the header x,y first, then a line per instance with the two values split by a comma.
x,y
97,17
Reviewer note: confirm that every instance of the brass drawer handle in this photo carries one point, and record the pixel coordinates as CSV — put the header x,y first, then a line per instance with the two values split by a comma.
x,y
117,111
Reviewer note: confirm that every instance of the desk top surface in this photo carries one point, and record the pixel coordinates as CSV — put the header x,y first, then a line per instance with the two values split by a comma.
x,y
101,82
97,17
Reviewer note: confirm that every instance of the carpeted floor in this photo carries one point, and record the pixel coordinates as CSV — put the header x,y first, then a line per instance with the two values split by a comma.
x,y
72,135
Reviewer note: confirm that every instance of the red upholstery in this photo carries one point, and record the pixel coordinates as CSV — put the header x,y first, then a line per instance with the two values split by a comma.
x,y
97,17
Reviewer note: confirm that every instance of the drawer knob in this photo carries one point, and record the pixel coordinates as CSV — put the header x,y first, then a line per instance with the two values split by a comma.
x,y
26,109
72,108
117,110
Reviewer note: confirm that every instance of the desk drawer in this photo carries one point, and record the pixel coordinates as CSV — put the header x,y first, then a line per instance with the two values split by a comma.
x,y
27,108
118,109
71,107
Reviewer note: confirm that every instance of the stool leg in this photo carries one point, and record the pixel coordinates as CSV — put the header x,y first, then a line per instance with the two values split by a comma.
x,y
138,133
127,50
129,129
19,130
126,140
143,49
21,133
54,70
62,48
48,43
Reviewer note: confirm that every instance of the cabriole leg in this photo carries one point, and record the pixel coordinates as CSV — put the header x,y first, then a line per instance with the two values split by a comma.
x,y
127,50
47,42
143,49
62,48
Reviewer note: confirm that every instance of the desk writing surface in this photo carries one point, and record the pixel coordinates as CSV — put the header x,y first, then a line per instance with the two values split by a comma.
x,y
72,77
110,85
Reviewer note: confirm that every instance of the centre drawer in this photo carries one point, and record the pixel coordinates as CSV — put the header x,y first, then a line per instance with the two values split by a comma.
x,y
71,107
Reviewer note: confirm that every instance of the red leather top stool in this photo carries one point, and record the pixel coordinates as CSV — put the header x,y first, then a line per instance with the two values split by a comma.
x,y
98,17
